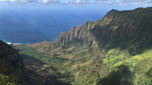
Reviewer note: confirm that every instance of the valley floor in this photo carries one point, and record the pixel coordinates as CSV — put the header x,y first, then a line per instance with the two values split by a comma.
x,y
79,65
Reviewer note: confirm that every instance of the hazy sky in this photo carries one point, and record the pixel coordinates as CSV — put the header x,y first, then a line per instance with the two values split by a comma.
x,y
111,4
81,1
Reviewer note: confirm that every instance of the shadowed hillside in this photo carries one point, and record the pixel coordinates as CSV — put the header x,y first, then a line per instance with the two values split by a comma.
x,y
112,50
13,72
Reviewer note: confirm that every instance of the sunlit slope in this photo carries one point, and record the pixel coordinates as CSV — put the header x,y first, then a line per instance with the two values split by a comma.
x,y
115,50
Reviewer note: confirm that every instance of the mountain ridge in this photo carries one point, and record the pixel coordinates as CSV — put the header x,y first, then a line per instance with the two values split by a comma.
x,y
111,27
110,51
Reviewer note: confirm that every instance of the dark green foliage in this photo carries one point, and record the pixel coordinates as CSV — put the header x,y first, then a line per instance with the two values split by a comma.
x,y
5,80
11,64
13,72
127,29
120,76
149,73
115,50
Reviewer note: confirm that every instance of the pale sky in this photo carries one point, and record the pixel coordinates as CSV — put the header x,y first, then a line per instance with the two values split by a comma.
x,y
117,4
81,1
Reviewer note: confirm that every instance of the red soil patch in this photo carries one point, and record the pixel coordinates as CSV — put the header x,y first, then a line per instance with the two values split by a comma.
x,y
36,45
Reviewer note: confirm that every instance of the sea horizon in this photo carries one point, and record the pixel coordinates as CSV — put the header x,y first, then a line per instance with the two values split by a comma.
x,y
32,23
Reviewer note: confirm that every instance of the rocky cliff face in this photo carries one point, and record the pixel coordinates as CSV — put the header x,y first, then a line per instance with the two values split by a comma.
x,y
77,35
126,29
112,50
117,28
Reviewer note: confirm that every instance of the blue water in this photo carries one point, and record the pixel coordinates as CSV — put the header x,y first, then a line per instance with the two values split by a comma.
x,y
32,24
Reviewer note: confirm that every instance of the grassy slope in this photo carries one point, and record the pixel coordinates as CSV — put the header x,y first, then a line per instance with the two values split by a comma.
x,y
80,66
115,50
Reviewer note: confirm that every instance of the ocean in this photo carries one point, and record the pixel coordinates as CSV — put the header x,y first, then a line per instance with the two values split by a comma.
x,y
32,24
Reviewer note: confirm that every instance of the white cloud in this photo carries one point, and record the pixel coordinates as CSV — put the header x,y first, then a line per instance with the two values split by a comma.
x,y
91,1
3,0
110,1
50,1
135,1
78,1
82,1
31,1
105,1
130,1
23,1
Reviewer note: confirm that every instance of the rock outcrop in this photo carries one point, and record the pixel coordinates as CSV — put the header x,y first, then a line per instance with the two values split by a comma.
x,y
126,29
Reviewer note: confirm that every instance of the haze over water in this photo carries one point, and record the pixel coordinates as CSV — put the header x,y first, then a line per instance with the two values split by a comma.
x,y
23,24
37,23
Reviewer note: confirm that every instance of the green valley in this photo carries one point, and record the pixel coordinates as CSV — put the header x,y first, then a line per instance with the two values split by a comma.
x,y
115,50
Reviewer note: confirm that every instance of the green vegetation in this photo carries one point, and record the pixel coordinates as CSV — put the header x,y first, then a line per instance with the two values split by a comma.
x,y
5,80
139,65
81,66
116,50
119,76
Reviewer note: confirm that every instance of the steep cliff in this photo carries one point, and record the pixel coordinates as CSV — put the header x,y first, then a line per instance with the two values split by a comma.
x,y
125,29
76,35
110,51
